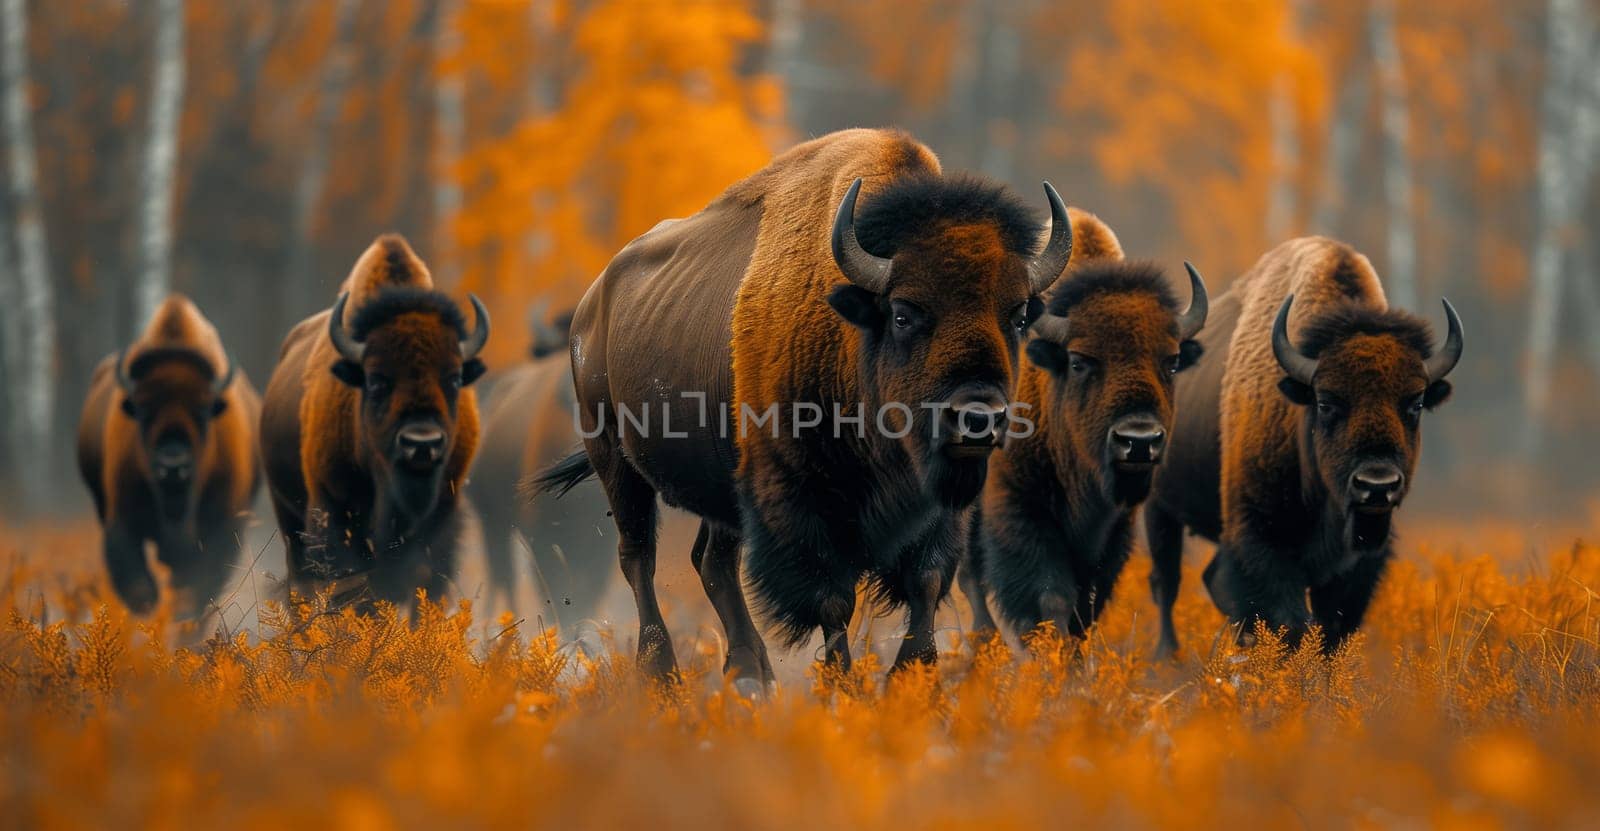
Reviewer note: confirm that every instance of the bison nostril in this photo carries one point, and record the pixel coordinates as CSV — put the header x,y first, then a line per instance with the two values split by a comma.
x,y
421,444
1377,484
978,422
1138,442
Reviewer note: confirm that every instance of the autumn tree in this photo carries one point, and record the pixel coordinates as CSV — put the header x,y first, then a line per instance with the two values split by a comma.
x,y
657,118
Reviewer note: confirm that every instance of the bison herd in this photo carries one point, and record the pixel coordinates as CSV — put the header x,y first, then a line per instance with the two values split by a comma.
x,y
857,372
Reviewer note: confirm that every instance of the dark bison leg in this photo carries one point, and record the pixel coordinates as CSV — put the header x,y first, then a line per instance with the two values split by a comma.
x,y
209,566
973,583
1250,583
1340,605
1164,533
926,580
130,576
633,506
716,558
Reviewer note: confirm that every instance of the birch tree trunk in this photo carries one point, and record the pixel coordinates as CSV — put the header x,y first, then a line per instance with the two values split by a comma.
x,y
11,328
1002,75
449,107
313,176
1400,278
1558,185
35,400
160,162
788,39
1344,148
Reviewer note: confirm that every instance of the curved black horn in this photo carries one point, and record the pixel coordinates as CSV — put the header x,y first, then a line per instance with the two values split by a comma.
x,y
124,380
1193,318
347,347
866,270
473,343
1052,328
1294,364
1448,355
227,377
1047,267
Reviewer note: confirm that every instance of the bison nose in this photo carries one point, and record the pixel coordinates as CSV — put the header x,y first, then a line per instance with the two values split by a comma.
x,y
1138,441
421,445
1376,485
977,418
172,464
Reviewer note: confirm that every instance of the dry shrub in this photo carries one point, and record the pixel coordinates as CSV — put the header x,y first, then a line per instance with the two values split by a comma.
x,y
1469,699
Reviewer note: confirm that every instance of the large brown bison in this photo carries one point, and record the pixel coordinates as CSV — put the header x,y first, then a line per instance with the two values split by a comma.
x,y
1296,441
528,425
369,427
166,446
866,360
1055,525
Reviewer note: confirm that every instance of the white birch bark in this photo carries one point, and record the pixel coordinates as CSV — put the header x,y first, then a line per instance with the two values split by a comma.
x,y
159,180
1344,148
1565,150
1400,278
1281,197
35,384
449,107
313,177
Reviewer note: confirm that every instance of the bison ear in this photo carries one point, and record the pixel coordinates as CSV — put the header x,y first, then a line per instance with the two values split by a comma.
x,y
219,406
472,370
1438,393
350,372
1189,353
1047,355
1297,392
856,305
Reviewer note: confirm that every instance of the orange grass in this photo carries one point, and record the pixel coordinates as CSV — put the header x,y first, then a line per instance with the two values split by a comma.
x,y
1468,701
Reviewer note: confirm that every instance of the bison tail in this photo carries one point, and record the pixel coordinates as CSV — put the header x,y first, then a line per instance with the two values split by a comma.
x,y
558,478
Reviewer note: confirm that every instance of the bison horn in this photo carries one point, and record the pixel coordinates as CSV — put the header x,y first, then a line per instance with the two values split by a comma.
x,y
227,377
1052,328
1449,355
1295,364
1048,265
347,347
473,343
866,270
1194,317
123,379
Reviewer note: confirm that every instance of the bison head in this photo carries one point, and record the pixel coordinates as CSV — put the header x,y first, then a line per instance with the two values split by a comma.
x,y
173,393
943,282
1110,344
1365,377
409,354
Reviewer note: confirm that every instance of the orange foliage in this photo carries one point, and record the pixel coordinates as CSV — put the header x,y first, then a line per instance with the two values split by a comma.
x,y
1468,700
1182,91
656,121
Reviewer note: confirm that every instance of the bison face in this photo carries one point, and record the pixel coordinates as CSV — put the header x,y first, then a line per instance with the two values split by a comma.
x,y
941,322
409,356
1364,378
173,394
1110,347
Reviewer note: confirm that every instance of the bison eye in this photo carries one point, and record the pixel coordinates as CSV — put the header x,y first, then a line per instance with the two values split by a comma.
x,y
1415,407
1328,409
1081,365
453,381
1019,318
1173,364
377,385
902,320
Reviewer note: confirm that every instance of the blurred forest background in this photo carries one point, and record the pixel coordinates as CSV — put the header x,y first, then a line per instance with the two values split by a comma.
x,y
245,152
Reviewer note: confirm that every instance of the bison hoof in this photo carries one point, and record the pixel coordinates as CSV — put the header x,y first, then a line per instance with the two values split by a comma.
x,y
750,689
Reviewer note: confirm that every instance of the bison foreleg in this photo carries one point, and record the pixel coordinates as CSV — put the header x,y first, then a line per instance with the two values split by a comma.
x,y
1250,583
1165,535
974,584
1340,605
130,576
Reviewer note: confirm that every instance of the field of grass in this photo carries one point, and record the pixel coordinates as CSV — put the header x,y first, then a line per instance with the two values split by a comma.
x,y
1469,701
